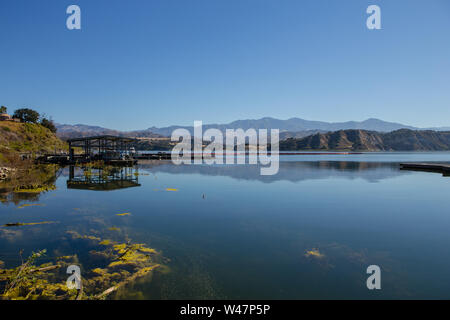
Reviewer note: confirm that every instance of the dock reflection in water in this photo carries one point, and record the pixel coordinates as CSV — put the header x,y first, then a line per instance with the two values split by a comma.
x,y
102,178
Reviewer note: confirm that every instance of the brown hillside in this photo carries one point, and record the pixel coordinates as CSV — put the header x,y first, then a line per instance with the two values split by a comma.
x,y
17,138
362,140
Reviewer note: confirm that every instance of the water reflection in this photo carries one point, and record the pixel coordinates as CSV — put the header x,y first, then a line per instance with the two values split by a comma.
x,y
289,170
28,184
308,232
103,178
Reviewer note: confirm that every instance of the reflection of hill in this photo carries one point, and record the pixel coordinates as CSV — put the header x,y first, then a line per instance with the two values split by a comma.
x,y
28,184
289,171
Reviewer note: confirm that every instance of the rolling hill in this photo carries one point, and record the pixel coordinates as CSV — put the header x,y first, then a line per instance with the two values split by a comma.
x,y
17,138
363,140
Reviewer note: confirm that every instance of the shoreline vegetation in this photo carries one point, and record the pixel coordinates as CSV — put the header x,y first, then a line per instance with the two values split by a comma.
x,y
25,135
118,265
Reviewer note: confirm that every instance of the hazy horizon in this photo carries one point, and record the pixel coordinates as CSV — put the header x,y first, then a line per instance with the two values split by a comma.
x,y
253,119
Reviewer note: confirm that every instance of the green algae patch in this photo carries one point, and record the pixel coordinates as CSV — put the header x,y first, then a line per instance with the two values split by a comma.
x,y
19,224
119,265
136,174
123,263
99,271
76,235
30,205
36,189
30,282
314,253
109,271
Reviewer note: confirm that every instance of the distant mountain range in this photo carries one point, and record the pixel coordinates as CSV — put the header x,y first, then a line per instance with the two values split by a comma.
x,y
67,131
363,140
294,127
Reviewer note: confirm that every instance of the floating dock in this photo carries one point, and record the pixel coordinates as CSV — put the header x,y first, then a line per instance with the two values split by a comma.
x,y
66,160
443,168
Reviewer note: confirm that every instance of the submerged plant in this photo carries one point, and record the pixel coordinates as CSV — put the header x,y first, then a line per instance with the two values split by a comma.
x,y
118,264
314,253
29,205
29,282
19,224
123,214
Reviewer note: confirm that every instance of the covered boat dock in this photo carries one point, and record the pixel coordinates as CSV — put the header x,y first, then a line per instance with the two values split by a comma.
x,y
111,149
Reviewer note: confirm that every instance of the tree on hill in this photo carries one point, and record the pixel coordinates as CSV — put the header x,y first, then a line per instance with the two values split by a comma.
x,y
3,109
49,124
26,115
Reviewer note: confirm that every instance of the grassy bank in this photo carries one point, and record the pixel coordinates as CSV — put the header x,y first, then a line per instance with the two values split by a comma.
x,y
26,138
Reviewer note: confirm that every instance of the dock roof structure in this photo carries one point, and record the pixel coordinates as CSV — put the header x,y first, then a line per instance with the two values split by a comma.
x,y
101,145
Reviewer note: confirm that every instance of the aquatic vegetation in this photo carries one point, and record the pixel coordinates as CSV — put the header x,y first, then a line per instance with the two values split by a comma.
x,y
136,174
119,265
29,205
124,263
314,253
29,282
38,189
19,224
72,257
131,253
76,235
123,214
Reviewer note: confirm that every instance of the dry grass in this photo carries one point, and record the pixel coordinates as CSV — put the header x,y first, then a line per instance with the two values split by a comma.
x,y
19,138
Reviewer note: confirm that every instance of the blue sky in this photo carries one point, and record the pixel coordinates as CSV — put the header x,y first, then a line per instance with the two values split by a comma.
x,y
140,63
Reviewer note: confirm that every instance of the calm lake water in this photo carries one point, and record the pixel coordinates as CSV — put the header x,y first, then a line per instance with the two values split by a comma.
x,y
229,232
